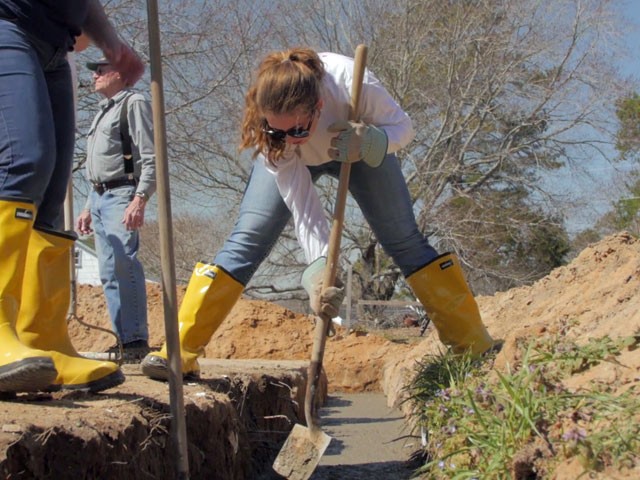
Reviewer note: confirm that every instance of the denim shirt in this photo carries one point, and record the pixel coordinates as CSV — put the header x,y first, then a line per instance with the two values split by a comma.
x,y
105,161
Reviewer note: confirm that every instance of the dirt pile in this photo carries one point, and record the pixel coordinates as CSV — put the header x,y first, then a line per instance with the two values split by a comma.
x,y
255,330
236,419
597,294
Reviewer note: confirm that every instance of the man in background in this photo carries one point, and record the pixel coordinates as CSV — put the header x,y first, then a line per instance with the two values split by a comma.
x,y
121,169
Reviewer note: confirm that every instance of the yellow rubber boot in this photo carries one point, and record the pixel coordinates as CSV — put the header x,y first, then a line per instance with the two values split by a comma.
x,y
210,296
441,288
42,321
22,369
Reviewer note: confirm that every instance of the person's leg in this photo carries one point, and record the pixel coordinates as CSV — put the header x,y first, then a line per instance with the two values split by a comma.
x,y
214,288
210,296
383,197
437,281
25,136
106,261
27,148
42,321
22,369
121,272
262,217
58,78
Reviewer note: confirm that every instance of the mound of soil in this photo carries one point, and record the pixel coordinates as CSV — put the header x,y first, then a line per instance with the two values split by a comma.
x,y
255,330
597,294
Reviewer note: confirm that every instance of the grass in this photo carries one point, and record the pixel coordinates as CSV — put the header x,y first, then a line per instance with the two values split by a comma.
x,y
519,424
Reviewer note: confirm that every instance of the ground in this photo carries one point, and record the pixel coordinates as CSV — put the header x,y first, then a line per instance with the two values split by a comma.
x,y
597,294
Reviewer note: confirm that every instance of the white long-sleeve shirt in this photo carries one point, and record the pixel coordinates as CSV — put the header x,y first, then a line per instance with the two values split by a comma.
x,y
376,107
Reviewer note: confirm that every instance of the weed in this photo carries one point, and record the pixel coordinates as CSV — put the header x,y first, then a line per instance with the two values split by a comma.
x,y
482,423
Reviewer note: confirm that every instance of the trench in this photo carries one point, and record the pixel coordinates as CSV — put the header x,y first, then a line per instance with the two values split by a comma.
x,y
237,419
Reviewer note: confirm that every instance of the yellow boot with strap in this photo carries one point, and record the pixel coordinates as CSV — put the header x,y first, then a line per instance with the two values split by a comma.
x,y
22,369
210,296
443,291
42,322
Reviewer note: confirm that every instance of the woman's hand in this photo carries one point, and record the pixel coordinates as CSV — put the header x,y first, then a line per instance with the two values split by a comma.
x,y
357,141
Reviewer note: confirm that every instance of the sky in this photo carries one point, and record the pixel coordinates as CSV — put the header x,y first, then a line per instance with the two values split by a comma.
x,y
632,12
606,182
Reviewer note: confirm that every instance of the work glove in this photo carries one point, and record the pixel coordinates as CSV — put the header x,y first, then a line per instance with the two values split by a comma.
x,y
357,141
323,301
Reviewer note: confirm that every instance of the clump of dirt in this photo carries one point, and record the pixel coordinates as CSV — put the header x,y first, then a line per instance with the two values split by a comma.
x,y
236,424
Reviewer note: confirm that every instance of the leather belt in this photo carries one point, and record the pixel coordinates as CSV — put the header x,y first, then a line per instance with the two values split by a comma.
x,y
102,187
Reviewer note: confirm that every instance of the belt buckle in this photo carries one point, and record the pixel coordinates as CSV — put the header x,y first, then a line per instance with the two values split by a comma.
x,y
99,188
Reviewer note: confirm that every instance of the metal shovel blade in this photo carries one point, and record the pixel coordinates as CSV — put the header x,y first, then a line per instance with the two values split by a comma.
x,y
301,453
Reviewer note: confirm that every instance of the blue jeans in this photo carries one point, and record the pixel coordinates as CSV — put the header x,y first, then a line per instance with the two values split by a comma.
x,y
121,272
37,123
381,194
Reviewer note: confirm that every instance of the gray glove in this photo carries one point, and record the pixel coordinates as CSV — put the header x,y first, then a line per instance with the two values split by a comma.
x,y
357,141
325,301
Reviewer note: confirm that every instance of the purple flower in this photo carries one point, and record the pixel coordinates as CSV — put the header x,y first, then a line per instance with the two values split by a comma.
x,y
443,394
482,393
576,434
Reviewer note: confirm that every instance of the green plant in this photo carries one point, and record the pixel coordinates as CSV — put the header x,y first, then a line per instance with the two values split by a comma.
x,y
480,421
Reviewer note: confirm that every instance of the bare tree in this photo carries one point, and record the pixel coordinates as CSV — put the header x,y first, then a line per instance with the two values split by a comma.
x,y
209,50
502,93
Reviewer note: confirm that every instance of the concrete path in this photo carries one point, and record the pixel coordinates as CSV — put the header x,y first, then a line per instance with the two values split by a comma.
x,y
369,440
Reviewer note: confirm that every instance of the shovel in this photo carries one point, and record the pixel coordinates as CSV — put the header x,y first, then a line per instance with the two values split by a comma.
x,y
305,446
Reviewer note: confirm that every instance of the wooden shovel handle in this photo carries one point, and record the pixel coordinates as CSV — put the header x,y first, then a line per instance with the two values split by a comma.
x,y
333,255
330,271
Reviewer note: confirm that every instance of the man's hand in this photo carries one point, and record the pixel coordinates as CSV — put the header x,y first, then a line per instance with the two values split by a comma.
x,y
134,214
120,55
127,63
83,223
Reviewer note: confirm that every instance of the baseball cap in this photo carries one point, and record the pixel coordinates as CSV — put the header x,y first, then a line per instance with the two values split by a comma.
x,y
93,66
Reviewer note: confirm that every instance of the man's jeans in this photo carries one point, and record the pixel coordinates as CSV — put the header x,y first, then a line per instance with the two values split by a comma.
x,y
37,123
381,194
121,272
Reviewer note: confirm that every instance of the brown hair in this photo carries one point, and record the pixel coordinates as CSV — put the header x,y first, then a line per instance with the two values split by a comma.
x,y
286,82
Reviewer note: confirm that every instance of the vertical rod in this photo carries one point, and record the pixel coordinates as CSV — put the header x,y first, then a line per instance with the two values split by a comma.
x,y
178,420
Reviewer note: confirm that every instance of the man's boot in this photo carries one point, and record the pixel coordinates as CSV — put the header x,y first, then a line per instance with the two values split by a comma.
x,y
22,369
441,288
42,321
210,296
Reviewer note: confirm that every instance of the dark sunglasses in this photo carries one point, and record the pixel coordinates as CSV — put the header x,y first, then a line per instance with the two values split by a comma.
x,y
295,132
102,69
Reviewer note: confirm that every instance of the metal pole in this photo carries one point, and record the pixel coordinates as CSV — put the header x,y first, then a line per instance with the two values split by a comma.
x,y
178,423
